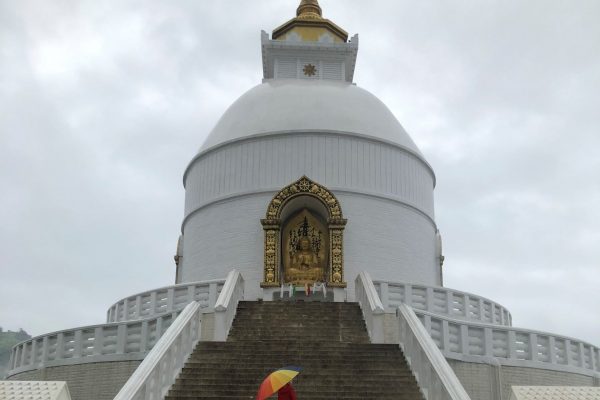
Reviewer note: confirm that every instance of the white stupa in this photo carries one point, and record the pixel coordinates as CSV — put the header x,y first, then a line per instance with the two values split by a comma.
x,y
308,118
308,181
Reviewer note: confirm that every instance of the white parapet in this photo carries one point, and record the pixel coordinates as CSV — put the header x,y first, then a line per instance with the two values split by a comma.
x,y
96,343
226,306
370,304
436,378
34,390
555,393
442,301
486,343
164,300
157,373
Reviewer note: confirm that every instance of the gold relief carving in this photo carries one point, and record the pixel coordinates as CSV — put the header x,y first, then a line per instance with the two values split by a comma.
x,y
304,260
337,260
305,249
271,239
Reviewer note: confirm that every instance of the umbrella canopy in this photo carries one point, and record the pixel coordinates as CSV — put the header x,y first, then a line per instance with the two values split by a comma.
x,y
276,380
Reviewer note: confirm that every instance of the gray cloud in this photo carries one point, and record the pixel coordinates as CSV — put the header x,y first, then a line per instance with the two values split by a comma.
x,y
104,103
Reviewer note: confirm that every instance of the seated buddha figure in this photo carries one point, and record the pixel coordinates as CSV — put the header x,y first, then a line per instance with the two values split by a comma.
x,y
304,266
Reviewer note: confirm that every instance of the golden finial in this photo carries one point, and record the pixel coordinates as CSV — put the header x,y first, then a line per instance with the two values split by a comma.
x,y
309,9
309,24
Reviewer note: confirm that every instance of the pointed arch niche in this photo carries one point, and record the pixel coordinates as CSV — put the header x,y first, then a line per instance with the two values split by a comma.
x,y
303,197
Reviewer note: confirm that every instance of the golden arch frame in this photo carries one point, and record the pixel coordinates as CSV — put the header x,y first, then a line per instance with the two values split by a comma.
x,y
272,225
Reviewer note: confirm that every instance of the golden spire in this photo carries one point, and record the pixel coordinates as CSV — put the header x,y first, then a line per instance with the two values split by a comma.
x,y
309,9
310,25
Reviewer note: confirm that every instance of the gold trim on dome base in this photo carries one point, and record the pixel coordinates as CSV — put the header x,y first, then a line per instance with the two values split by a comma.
x,y
272,226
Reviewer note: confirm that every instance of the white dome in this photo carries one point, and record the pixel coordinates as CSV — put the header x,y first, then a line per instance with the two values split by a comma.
x,y
308,105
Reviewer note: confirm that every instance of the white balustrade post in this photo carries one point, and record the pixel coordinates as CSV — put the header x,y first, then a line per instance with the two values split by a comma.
x,y
445,336
170,299
60,346
122,338
481,309
488,337
77,343
533,347
385,295
24,354
449,302
45,351
212,295
568,352
427,323
581,355
33,352
138,306
159,328
512,343
153,303
120,309
191,293
552,349
464,339
126,310
13,358
408,296
429,298
98,341
144,335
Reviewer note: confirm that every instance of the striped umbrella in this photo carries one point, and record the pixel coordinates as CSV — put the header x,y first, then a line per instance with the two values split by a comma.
x,y
276,380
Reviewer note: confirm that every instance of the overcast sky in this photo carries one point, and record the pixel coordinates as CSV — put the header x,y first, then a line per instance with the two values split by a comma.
x,y
103,104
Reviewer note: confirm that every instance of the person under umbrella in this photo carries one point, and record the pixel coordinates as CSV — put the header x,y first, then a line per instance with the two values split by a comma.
x,y
287,392
279,382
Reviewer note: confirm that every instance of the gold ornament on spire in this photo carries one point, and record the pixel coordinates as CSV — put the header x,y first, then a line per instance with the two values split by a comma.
x,y
309,25
309,9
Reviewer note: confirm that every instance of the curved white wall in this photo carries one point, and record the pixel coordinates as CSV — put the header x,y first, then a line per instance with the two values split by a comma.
x,y
385,191
338,161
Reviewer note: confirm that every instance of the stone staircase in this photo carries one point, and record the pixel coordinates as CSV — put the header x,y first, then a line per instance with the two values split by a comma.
x,y
328,340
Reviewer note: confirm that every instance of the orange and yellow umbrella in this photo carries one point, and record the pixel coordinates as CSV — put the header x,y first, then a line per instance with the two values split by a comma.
x,y
276,380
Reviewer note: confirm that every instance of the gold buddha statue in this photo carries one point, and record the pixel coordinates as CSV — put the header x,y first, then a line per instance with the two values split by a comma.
x,y
304,264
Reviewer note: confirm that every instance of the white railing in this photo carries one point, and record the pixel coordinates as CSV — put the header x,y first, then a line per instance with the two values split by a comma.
x,y
226,306
436,378
157,373
164,300
442,301
478,342
95,343
370,304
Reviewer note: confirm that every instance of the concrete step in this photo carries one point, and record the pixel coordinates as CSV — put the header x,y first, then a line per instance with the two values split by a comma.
x,y
347,379
328,340
333,393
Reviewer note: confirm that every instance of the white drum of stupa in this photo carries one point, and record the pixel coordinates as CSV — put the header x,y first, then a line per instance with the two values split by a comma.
x,y
308,119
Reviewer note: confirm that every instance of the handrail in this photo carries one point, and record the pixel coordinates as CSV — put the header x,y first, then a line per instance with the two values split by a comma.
x,y
157,373
442,301
165,299
226,305
120,341
371,306
478,342
436,378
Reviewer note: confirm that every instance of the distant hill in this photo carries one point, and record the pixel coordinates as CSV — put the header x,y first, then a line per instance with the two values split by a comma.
x,y
7,340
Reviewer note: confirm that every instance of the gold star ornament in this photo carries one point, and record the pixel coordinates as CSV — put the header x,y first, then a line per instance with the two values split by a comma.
x,y
309,70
